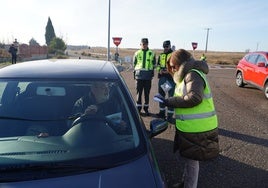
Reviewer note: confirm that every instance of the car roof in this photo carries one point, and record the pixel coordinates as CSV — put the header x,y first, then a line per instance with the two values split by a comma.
x,y
61,68
259,52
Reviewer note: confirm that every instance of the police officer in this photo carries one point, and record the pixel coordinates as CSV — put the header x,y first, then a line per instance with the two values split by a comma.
x,y
165,81
203,57
143,63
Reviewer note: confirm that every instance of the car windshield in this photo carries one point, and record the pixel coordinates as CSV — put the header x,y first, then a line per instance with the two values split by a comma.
x,y
67,121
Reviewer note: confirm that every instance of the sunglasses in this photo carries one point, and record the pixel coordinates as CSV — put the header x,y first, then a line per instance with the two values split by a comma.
x,y
165,46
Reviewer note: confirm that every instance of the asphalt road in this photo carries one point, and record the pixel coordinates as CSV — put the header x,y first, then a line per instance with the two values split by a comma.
x,y
243,129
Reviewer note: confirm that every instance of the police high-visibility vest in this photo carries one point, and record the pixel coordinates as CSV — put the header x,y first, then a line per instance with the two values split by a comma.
x,y
203,58
162,61
199,118
145,60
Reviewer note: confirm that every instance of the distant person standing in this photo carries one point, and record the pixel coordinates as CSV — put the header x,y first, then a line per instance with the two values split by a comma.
x,y
166,85
16,44
143,63
13,51
173,48
203,57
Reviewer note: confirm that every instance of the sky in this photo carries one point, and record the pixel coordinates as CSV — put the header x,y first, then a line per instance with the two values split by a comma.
x,y
229,25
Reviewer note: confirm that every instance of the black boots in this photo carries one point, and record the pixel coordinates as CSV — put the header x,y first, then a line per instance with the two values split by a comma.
x,y
161,114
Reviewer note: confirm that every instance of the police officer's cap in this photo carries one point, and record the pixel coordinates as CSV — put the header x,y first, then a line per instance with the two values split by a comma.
x,y
144,41
166,43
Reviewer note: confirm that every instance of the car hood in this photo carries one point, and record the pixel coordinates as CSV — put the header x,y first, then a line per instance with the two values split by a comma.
x,y
138,173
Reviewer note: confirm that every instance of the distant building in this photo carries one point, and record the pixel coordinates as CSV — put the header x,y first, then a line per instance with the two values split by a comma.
x,y
27,52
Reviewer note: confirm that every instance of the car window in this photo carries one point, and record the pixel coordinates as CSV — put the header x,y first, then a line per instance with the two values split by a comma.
x,y
252,58
2,88
22,86
261,58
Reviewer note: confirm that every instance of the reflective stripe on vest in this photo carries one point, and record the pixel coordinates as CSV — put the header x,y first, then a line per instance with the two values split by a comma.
x,y
195,116
199,118
144,60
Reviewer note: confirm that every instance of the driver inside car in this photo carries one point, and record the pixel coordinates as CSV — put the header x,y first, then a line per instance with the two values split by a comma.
x,y
97,102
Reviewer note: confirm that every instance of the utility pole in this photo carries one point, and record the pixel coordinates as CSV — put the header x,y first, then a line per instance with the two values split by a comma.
x,y
108,48
207,38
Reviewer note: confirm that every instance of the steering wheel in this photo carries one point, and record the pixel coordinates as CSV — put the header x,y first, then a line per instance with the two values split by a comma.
x,y
91,117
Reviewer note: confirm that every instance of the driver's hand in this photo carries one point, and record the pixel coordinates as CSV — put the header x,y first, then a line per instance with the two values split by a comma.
x,y
92,109
122,125
43,135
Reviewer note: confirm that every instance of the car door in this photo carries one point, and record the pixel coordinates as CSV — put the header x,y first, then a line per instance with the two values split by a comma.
x,y
249,70
260,72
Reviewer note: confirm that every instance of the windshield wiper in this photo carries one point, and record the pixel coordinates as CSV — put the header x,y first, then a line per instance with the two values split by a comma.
x,y
28,119
13,118
51,166
26,172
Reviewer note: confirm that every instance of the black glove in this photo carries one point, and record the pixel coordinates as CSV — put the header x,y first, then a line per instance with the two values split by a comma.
x,y
160,98
134,74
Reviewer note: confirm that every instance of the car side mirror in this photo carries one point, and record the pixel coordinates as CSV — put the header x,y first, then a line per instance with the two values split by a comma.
x,y
157,126
261,64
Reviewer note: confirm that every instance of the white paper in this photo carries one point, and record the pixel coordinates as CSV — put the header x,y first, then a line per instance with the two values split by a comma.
x,y
166,86
158,100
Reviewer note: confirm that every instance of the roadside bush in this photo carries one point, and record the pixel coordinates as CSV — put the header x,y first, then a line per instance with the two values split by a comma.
x,y
4,53
86,54
61,57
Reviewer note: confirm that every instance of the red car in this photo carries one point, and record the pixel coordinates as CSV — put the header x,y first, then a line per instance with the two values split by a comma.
x,y
253,69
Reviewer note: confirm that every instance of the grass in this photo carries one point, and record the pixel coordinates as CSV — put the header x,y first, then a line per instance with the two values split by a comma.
x,y
4,64
213,57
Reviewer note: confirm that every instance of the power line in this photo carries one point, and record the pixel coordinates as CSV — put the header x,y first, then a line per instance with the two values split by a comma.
x,y
207,38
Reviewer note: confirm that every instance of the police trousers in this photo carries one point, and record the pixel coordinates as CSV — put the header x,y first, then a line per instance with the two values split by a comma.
x,y
143,86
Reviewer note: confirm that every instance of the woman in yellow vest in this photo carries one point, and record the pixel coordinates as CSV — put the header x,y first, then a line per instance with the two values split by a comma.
x,y
196,135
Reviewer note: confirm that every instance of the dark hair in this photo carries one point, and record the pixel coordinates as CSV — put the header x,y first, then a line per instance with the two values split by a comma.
x,y
144,41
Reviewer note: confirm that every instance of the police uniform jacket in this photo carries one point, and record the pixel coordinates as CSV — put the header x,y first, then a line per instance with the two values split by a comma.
x,y
165,57
144,62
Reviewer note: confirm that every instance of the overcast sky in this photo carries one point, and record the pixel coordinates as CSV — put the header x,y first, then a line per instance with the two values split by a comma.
x,y
234,25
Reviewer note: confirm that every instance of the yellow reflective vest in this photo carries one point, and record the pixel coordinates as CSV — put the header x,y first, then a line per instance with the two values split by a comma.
x,y
200,118
162,61
144,63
